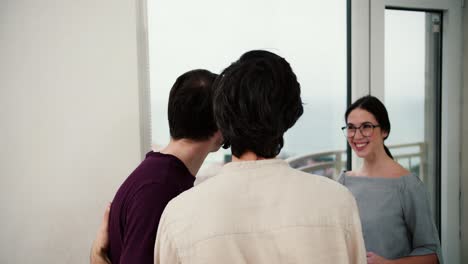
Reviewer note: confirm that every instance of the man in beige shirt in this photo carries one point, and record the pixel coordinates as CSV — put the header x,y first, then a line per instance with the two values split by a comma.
x,y
258,209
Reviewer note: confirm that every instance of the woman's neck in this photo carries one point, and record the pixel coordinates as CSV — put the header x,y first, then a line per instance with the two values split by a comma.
x,y
376,163
381,165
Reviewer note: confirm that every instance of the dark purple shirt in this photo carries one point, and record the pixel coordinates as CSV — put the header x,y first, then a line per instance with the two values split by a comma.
x,y
139,203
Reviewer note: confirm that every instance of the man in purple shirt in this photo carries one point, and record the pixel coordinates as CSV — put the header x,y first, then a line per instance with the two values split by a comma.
x,y
141,199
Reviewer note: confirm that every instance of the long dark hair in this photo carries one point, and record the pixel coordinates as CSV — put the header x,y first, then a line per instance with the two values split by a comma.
x,y
374,106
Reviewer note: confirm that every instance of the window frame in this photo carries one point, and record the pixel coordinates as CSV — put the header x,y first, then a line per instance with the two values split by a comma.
x,y
371,30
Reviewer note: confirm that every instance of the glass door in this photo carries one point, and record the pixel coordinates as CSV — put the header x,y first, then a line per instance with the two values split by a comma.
x,y
413,94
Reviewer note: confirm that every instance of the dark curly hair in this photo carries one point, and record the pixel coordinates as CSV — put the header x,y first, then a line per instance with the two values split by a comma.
x,y
256,100
190,107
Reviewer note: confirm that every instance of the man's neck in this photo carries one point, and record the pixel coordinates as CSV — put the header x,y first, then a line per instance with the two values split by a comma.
x,y
247,156
191,153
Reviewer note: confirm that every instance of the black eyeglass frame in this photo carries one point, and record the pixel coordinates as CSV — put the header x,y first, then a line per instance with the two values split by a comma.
x,y
345,130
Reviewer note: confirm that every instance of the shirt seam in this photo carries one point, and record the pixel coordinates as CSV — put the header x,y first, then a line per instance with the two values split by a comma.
x,y
346,229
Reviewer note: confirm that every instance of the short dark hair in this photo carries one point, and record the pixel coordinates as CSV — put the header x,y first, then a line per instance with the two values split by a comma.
x,y
374,106
256,100
190,107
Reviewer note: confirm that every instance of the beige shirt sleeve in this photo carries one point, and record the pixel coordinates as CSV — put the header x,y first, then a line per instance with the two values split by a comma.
x,y
164,249
355,242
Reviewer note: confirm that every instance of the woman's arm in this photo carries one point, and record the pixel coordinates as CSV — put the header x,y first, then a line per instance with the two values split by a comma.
x,y
373,258
419,221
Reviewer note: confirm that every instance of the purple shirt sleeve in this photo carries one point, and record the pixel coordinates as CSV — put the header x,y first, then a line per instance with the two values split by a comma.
x,y
143,215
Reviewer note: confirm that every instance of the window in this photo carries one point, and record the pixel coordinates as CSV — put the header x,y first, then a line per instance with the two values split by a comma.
x,y
412,94
311,35
450,84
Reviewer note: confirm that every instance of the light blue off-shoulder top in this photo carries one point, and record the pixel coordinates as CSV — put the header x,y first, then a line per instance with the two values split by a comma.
x,y
395,215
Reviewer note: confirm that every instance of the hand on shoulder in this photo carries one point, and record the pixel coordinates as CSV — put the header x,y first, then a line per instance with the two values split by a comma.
x,y
101,243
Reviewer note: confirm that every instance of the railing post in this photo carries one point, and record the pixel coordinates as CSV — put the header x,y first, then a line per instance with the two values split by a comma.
x,y
338,165
422,162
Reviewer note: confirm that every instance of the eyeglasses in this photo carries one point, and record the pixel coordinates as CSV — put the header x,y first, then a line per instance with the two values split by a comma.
x,y
366,129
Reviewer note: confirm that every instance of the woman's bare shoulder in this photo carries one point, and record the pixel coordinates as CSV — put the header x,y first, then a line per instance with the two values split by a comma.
x,y
399,171
351,173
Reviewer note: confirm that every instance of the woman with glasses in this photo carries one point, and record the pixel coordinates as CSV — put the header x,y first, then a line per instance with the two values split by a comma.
x,y
396,220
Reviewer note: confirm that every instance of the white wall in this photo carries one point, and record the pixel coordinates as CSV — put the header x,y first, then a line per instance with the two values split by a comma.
x,y
69,122
464,138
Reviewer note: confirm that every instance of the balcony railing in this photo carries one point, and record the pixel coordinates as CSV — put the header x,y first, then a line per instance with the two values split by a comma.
x,y
331,163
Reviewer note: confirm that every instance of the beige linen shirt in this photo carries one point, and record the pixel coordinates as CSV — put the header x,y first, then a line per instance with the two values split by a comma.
x,y
261,212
